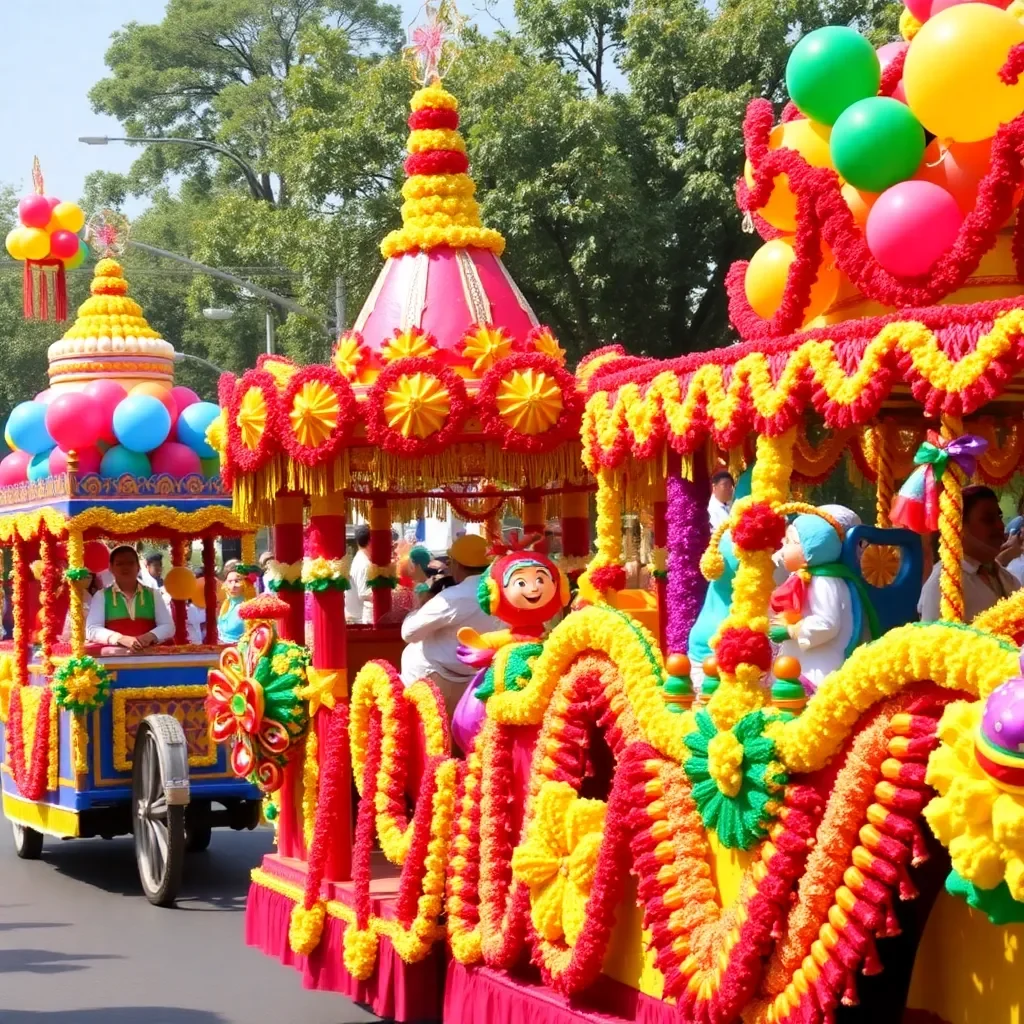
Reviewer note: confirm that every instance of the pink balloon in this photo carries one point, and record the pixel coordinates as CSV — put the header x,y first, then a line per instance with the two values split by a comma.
x,y
88,461
174,459
183,398
47,396
898,93
74,420
34,211
63,244
938,6
106,394
911,225
888,53
920,9
14,468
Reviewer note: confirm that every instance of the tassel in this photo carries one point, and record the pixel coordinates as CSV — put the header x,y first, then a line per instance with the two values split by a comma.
x,y
43,310
27,292
60,296
850,992
919,852
872,964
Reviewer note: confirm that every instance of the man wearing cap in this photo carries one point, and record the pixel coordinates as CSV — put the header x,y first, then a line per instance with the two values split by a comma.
x,y
431,632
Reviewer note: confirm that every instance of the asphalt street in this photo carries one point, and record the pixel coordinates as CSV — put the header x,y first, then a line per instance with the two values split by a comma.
x,y
79,944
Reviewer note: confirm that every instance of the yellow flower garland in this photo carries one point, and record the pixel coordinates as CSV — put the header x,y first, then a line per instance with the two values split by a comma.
x,y
310,782
1005,618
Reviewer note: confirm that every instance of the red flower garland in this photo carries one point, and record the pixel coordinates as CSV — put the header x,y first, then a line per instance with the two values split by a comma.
x,y
433,117
239,457
436,161
30,779
741,646
759,527
324,452
378,431
410,882
565,428
362,847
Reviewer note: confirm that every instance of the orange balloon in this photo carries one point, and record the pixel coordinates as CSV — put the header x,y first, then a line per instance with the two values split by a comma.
x,y
811,141
199,593
859,202
677,665
767,273
158,391
180,583
786,668
957,167
711,666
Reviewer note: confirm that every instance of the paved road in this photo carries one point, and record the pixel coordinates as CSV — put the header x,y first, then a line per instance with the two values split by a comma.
x,y
80,945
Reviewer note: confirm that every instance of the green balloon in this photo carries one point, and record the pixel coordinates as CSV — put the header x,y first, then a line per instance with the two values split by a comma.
x,y
830,69
877,143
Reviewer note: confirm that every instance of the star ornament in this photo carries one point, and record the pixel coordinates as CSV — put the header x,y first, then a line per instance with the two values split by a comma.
x,y
434,43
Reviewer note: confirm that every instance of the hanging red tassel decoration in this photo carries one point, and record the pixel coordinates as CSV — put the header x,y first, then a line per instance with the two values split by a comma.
x,y
43,309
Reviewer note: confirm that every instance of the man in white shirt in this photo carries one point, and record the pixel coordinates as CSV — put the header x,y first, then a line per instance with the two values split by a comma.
x,y
722,490
431,632
985,581
359,597
127,614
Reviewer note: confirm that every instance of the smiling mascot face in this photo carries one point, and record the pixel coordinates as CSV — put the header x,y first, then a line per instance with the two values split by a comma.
x,y
524,589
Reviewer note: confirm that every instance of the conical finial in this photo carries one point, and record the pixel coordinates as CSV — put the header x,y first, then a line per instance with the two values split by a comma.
x,y
434,41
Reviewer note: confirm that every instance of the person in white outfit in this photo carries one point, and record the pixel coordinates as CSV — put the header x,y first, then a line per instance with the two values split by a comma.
x,y
359,596
722,490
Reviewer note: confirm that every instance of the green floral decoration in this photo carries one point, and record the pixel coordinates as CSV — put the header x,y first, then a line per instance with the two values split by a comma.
x,y
512,667
383,583
276,585
319,585
996,904
735,775
74,574
81,684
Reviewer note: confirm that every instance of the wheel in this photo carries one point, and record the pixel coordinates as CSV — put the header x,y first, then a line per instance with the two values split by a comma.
x,y
159,825
28,843
197,836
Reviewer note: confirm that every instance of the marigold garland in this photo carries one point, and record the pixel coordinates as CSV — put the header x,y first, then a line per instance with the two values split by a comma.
x,y
81,685
310,782
320,574
30,714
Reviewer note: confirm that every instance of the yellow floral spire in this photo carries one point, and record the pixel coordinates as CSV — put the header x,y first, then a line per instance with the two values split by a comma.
x,y
108,312
439,208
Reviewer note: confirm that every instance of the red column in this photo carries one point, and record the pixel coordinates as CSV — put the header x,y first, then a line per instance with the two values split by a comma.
x,y
179,609
288,550
660,525
575,530
380,553
327,540
533,513
210,589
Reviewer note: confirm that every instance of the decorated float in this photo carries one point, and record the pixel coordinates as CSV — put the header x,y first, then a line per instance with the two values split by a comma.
x,y
780,843
99,741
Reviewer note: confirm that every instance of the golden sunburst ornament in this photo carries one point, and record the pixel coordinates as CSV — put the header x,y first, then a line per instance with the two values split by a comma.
x,y
417,405
314,413
252,417
546,344
879,564
529,401
485,346
349,355
281,370
410,344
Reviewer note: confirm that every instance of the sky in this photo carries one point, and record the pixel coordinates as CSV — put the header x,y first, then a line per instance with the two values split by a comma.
x,y
52,56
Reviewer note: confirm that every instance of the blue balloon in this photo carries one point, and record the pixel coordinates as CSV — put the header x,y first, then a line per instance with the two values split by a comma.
x,y
39,467
192,424
141,423
26,427
120,461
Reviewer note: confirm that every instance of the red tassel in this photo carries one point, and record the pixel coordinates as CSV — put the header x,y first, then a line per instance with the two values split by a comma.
x,y
27,292
60,297
43,310
850,992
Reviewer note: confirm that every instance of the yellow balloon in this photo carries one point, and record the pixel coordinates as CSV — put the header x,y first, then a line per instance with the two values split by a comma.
x,y
15,243
859,202
765,280
35,243
69,216
811,141
180,583
951,74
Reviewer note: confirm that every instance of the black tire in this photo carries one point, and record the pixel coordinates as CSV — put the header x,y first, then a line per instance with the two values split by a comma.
x,y
28,843
159,828
197,836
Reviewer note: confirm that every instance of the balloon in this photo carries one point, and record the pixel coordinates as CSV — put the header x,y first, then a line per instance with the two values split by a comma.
x,y
175,459
829,69
120,461
63,244
958,168
7,440
192,425
859,202
199,592
58,462
74,421
765,280
96,557
69,216
80,256
951,75
15,243
876,143
886,55
158,391
35,243
211,467
179,583
39,466
938,6
88,461
183,398
27,427
911,225
14,468
47,396
107,394
141,423
920,9
34,211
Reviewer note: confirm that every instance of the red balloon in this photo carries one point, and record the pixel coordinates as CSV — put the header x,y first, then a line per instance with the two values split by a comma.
x,y
88,461
106,394
63,244
74,421
35,211
96,556
174,459
14,468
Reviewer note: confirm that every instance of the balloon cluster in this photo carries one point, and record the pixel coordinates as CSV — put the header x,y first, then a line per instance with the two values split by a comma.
x,y
151,429
908,193
48,230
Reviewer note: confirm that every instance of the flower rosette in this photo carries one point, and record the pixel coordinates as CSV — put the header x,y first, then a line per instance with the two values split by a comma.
x,y
382,577
320,574
349,355
416,408
528,403
81,684
735,777
280,576
253,705
251,406
314,414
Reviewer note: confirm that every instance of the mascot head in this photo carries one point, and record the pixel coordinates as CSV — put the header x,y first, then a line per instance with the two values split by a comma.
x,y
523,588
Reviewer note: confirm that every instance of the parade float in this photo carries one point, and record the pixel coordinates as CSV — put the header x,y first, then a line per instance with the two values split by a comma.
x,y
100,742
613,844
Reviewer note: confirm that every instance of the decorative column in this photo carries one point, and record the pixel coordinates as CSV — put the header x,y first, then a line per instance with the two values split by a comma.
x,y
210,589
687,532
951,537
884,469
533,514
659,556
575,520
328,684
382,576
179,608
606,573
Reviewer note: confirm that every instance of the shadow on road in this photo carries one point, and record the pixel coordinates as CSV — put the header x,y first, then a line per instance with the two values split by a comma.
x,y
215,880
113,1015
45,961
16,926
